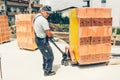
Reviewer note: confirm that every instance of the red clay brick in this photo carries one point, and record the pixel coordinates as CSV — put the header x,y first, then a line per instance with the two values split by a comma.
x,y
92,31
81,12
106,48
91,49
100,31
103,12
107,31
83,31
99,48
83,50
90,13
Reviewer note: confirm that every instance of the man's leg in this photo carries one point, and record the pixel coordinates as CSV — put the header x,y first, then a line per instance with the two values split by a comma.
x,y
44,61
48,57
50,63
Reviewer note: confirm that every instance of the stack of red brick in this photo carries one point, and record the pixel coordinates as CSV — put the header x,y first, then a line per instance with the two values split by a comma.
x,y
4,29
94,34
25,32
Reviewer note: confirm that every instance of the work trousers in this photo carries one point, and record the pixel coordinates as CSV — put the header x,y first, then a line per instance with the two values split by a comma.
x,y
47,53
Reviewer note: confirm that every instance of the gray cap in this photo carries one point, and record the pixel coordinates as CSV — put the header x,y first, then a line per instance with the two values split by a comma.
x,y
46,8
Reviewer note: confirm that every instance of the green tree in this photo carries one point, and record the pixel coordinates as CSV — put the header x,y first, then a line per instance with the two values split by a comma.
x,y
55,18
58,19
65,20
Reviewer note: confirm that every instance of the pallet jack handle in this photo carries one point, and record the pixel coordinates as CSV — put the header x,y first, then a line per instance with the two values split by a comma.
x,y
56,46
64,61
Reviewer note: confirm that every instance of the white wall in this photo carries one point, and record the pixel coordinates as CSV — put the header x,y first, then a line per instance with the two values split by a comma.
x,y
115,6
95,3
1,7
66,13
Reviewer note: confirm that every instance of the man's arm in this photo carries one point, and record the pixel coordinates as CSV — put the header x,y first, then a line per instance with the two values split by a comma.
x,y
49,33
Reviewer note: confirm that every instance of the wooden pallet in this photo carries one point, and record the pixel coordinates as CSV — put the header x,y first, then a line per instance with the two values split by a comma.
x,y
5,42
28,49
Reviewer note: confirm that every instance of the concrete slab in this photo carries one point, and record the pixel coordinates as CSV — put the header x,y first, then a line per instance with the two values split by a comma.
x,y
20,64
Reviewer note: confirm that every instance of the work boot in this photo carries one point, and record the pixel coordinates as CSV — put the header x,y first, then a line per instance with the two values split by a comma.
x,y
49,73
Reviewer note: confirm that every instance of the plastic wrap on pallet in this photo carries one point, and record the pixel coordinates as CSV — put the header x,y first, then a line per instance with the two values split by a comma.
x,y
90,31
25,32
4,29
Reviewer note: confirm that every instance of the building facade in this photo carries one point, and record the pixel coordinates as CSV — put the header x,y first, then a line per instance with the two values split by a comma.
x,y
94,3
13,7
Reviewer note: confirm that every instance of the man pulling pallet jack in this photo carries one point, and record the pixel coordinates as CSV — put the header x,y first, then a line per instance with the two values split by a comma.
x,y
43,34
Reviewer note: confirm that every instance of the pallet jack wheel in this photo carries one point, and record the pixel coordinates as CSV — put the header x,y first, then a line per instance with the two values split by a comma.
x,y
64,62
107,63
74,64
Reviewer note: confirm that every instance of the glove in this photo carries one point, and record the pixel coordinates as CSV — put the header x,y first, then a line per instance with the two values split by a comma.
x,y
64,56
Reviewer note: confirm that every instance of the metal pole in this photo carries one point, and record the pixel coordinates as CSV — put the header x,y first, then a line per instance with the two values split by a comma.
x,y
5,1
30,7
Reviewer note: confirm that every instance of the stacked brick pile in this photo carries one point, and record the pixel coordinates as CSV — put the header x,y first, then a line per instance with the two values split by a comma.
x,y
94,34
4,29
25,32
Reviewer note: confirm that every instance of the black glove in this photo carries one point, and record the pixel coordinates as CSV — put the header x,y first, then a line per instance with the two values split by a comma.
x,y
64,56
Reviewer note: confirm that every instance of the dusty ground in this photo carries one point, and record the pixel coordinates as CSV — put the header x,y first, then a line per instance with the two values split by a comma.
x,y
20,64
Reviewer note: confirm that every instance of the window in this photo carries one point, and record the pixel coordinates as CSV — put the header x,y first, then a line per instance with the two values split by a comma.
x,y
15,9
87,3
103,1
8,9
2,7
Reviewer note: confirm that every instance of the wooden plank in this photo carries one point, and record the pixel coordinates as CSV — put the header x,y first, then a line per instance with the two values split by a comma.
x,y
115,33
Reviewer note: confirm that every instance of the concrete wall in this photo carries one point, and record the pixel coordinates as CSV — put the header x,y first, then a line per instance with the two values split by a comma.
x,y
95,3
115,6
2,5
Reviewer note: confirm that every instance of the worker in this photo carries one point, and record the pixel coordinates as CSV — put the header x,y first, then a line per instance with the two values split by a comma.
x,y
43,34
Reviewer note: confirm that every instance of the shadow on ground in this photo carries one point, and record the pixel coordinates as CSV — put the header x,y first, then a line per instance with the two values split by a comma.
x,y
56,67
